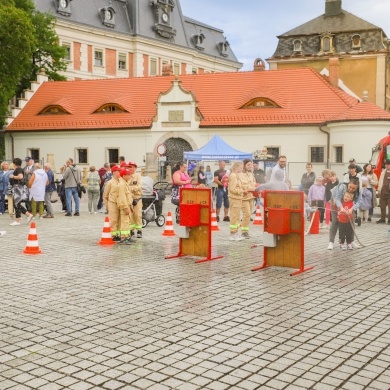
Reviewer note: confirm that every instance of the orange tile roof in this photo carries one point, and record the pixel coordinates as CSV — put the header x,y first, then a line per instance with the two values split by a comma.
x,y
304,96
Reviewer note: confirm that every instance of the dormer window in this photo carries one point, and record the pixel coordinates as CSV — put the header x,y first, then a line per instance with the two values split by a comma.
x,y
297,46
261,103
356,42
110,108
223,47
327,44
108,16
197,40
53,110
63,7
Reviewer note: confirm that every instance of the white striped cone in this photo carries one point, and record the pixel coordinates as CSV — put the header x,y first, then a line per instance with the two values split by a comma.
x,y
258,218
106,238
214,222
32,247
168,231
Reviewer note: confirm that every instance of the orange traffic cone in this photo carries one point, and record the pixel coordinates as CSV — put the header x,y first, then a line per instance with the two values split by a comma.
x,y
258,218
168,231
315,223
214,222
32,247
106,238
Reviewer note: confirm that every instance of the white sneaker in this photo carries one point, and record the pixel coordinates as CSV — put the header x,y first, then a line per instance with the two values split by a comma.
x,y
14,223
330,245
349,246
354,245
29,218
343,247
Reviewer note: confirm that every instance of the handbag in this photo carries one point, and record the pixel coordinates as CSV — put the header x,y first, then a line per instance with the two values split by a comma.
x,y
80,188
175,195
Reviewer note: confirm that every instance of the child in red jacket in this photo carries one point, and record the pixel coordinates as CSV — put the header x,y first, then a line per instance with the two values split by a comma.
x,y
345,222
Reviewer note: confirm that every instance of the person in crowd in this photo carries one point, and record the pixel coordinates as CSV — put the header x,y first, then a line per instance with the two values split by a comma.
x,y
308,209
332,181
121,160
102,171
180,179
308,178
248,183
4,184
37,185
10,197
50,188
345,221
277,184
209,176
135,186
110,198
372,181
336,205
358,168
258,173
176,167
236,193
281,167
366,203
222,193
125,206
93,189
201,175
384,193
61,189
72,177
316,197
352,172
19,192
27,172
147,184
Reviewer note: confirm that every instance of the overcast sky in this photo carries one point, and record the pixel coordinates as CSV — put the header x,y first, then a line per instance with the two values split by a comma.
x,y
251,27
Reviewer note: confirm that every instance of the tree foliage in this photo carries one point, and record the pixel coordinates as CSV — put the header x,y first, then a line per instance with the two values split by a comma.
x,y
28,44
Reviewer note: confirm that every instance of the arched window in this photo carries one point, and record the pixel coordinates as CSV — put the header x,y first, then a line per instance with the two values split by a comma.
x,y
260,103
110,108
327,43
356,41
53,110
297,46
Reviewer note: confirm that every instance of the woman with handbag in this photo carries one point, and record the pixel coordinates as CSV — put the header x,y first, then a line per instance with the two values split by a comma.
x,y
5,188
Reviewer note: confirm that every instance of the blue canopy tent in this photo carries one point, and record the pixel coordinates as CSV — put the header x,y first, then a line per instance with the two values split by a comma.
x,y
216,149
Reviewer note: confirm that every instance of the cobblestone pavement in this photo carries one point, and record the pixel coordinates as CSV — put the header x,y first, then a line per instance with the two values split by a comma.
x,y
82,316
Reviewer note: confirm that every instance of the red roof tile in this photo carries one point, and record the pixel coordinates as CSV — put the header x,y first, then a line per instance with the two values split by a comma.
x,y
304,97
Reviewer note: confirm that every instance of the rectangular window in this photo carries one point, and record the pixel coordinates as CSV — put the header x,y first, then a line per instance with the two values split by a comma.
x,y
82,156
34,154
176,69
67,47
274,151
113,155
122,63
317,154
338,154
153,67
194,70
98,55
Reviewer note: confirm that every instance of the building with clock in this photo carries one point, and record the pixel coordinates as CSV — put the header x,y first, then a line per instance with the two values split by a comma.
x,y
133,38
362,50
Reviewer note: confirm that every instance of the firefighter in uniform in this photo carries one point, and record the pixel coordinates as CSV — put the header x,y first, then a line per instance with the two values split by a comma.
x,y
110,196
135,185
124,203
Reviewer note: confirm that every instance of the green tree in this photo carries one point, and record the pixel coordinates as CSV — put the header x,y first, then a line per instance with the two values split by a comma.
x,y
17,42
28,44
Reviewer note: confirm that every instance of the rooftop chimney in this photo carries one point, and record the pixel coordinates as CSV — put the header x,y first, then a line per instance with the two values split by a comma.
x,y
333,7
334,71
365,96
258,65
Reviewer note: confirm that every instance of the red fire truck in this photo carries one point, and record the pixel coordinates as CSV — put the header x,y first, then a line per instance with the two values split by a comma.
x,y
380,152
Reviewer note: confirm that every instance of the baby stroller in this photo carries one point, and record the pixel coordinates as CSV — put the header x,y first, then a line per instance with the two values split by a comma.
x,y
152,205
